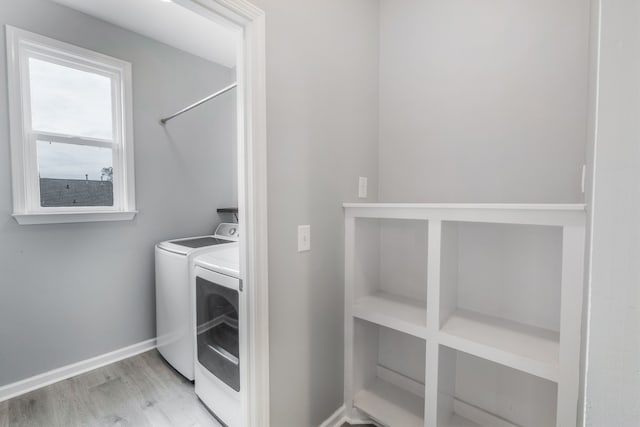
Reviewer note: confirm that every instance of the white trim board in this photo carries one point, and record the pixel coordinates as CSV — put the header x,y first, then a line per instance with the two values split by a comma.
x,y
336,419
249,20
499,213
401,381
471,413
47,378
340,417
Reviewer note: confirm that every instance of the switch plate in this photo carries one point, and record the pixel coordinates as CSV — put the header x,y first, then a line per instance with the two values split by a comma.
x,y
362,187
304,238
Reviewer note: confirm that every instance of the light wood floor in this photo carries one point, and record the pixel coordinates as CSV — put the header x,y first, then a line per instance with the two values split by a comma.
x,y
142,391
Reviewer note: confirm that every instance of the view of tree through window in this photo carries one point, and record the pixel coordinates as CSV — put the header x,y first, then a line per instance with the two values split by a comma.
x,y
75,175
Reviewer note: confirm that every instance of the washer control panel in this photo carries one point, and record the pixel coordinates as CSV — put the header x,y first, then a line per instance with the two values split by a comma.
x,y
227,230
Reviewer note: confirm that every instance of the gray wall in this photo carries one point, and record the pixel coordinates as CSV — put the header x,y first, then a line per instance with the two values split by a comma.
x,y
322,134
613,362
464,115
483,101
70,292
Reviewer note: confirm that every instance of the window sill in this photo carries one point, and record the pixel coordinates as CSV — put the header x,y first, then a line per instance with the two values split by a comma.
x,y
71,217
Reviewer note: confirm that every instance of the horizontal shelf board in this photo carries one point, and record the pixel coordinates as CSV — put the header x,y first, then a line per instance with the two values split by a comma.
x,y
532,214
516,345
395,312
501,206
391,405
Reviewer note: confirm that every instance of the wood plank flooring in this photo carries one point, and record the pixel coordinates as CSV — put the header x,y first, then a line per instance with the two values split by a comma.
x,y
142,391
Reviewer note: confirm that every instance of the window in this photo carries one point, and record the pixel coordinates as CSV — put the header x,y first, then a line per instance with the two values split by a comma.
x,y
71,132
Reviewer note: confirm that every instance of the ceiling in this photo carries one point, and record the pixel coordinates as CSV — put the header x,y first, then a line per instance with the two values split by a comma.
x,y
166,22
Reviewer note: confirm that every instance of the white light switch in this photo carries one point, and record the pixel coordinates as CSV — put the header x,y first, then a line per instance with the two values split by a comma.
x,y
304,238
362,187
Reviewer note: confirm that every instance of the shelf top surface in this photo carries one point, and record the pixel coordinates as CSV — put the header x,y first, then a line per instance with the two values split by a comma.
x,y
399,313
391,405
495,206
531,214
528,348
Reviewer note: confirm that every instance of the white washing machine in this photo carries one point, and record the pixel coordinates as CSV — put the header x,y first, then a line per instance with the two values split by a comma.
x,y
220,334
175,296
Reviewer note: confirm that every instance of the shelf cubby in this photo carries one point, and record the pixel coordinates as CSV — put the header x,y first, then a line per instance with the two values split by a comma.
x,y
390,274
388,386
500,293
473,391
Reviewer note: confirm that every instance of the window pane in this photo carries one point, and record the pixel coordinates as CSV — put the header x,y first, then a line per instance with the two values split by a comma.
x,y
75,175
69,101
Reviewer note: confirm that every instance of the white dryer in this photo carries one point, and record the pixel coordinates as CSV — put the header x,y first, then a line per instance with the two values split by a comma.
x,y
220,334
175,296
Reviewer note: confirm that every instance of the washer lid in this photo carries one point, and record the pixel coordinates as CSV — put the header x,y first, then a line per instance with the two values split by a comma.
x,y
199,242
225,260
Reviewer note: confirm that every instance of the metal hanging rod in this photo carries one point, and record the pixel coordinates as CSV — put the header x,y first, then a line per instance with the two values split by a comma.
x,y
199,103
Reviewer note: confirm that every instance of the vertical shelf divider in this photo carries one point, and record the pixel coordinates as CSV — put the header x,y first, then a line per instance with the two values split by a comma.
x,y
573,247
433,322
349,256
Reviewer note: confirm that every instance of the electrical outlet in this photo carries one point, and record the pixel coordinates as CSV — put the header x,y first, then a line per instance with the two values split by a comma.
x,y
362,187
304,238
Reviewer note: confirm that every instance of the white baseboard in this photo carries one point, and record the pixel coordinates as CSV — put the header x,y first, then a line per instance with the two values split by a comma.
x,y
478,415
340,417
336,419
41,380
400,380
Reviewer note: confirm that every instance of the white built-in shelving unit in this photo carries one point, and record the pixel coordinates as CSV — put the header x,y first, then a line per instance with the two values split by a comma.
x,y
461,315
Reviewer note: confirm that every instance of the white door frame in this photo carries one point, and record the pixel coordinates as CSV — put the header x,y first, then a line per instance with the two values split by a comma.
x,y
249,21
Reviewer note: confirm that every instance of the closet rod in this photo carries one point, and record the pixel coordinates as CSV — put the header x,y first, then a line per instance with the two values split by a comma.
x,y
199,103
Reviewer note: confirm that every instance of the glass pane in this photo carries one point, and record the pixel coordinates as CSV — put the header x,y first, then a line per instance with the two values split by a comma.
x,y
75,175
217,331
69,101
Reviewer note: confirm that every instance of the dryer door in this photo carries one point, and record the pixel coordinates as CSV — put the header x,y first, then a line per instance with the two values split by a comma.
x,y
218,333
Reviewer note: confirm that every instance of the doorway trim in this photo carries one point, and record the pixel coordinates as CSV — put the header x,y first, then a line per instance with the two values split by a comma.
x,y
249,22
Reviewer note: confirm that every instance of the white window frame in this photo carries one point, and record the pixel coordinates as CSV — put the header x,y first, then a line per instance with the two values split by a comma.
x,y
22,45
